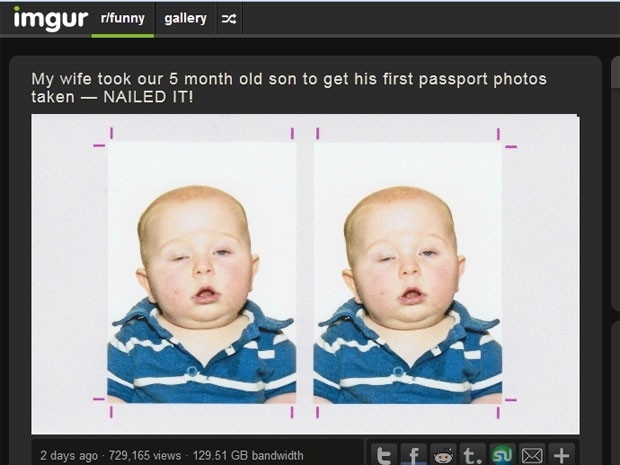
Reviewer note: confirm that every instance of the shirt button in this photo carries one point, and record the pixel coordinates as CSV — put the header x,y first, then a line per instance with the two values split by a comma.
x,y
192,371
398,372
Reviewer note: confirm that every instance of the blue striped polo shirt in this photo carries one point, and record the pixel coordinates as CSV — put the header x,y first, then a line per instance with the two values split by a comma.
x,y
147,364
353,365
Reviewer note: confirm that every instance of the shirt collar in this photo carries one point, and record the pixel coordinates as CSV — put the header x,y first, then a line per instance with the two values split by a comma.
x,y
462,317
257,317
349,310
144,309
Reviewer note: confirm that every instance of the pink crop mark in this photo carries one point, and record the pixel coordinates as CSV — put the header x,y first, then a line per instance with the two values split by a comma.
x,y
99,145
507,399
110,408
498,136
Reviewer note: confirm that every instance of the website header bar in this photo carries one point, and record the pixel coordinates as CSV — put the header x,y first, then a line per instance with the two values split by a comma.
x,y
140,20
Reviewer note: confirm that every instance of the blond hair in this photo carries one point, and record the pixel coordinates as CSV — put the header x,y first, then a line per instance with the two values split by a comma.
x,y
182,195
389,195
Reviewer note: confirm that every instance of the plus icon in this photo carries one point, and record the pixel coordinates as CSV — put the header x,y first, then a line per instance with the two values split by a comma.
x,y
561,456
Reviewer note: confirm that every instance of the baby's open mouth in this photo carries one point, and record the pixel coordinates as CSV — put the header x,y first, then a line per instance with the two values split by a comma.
x,y
205,295
412,296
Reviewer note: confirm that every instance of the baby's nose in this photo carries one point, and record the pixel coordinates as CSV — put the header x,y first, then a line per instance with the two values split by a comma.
x,y
409,267
203,266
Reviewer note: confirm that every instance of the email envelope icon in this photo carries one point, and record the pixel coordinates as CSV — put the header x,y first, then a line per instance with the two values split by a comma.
x,y
532,455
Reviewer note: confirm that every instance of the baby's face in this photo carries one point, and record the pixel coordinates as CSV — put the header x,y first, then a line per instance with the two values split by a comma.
x,y
405,268
199,266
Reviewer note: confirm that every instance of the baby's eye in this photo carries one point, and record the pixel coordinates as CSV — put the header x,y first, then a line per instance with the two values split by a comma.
x,y
428,253
178,258
385,259
222,252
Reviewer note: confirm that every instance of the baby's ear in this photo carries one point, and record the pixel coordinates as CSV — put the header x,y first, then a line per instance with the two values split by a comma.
x,y
255,263
143,279
461,263
349,280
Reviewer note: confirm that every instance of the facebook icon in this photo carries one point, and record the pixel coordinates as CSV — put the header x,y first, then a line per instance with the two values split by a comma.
x,y
413,454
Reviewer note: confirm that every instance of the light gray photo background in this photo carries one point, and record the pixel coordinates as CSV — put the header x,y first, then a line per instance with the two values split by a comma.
x,y
260,175
467,176
538,260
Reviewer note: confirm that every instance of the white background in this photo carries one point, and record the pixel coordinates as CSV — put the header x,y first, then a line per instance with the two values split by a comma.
x,y
467,176
539,270
259,175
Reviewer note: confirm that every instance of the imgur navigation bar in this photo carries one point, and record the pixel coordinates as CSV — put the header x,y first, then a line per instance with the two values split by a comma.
x,y
167,19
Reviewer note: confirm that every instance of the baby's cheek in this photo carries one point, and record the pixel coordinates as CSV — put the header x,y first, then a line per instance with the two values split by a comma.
x,y
376,284
240,275
170,284
446,278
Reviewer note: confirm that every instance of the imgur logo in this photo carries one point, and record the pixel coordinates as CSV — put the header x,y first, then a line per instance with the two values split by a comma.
x,y
52,21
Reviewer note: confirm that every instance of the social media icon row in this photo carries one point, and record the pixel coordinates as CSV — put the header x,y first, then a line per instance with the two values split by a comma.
x,y
472,454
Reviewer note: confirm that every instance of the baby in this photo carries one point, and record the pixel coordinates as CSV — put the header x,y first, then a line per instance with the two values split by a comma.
x,y
403,338
197,338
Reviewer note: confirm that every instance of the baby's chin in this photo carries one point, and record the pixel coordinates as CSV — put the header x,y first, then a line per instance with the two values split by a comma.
x,y
204,323
409,322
